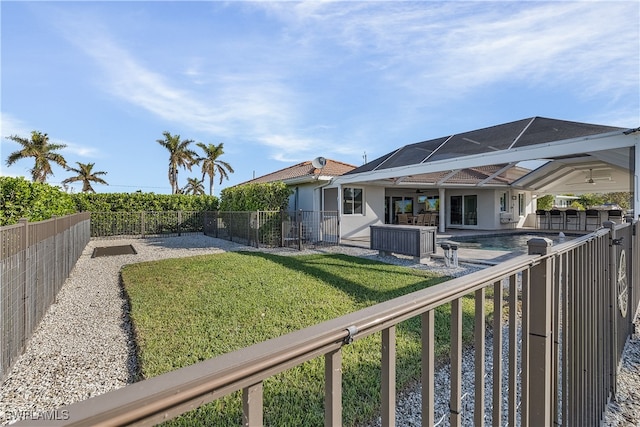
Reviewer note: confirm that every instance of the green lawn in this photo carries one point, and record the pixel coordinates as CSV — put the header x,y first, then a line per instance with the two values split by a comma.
x,y
188,310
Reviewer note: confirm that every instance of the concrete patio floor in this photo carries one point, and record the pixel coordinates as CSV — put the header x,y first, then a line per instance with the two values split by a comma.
x,y
472,255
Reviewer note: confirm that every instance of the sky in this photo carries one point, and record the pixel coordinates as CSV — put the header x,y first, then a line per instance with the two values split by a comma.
x,y
280,83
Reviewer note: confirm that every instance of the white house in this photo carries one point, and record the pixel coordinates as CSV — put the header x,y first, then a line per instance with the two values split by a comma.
x,y
306,179
475,178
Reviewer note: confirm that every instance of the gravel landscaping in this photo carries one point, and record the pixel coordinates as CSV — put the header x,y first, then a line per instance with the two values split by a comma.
x,y
83,345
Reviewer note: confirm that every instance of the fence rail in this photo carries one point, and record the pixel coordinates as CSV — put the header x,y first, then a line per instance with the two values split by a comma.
x,y
35,260
573,320
298,229
146,223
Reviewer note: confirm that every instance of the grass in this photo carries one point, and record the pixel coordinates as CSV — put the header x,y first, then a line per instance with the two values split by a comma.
x,y
189,310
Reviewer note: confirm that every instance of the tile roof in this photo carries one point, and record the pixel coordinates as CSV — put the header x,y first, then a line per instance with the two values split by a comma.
x,y
471,176
302,170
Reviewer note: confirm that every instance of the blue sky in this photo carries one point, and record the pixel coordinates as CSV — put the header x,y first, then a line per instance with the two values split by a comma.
x,y
283,82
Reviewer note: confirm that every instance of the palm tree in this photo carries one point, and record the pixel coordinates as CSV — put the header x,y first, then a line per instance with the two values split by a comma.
x,y
86,175
211,163
179,156
41,150
194,186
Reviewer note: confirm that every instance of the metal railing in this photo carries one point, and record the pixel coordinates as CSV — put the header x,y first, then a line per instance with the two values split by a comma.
x,y
571,305
35,260
297,229
146,224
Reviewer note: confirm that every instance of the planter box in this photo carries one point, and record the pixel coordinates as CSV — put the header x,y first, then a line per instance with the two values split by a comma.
x,y
415,241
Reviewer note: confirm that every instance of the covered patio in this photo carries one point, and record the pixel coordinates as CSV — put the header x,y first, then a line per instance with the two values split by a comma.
x,y
478,180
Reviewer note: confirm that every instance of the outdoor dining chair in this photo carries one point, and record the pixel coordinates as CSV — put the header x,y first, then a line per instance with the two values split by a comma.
x,y
403,219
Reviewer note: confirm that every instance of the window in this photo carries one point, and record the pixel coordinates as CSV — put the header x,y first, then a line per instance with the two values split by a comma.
x,y
503,202
521,201
470,210
352,201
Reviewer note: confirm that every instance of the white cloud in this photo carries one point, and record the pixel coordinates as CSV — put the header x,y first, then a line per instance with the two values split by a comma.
x,y
453,47
11,125
423,52
226,105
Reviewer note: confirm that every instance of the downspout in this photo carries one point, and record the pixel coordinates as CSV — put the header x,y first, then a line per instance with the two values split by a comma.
x,y
339,214
442,220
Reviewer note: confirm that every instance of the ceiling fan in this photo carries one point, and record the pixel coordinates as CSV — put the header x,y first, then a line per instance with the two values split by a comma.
x,y
590,179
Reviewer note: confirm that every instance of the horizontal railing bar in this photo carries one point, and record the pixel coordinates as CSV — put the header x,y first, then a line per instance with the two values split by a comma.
x,y
202,382
175,392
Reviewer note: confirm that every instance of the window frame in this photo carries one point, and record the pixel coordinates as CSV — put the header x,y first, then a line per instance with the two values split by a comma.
x,y
352,201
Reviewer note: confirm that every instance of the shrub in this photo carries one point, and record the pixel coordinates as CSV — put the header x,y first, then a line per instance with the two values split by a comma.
x,y
138,202
273,196
35,201
545,202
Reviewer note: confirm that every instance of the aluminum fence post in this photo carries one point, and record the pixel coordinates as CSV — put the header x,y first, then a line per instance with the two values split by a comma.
x,y
540,336
258,229
25,280
282,229
299,219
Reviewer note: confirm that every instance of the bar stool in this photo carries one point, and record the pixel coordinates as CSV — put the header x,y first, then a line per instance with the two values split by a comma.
x,y
555,218
542,219
571,217
615,215
592,218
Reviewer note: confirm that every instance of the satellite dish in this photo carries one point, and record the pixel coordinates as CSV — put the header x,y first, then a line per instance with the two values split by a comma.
x,y
319,162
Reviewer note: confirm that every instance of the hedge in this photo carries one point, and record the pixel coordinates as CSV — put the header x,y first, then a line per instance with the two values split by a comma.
x,y
20,198
138,202
273,196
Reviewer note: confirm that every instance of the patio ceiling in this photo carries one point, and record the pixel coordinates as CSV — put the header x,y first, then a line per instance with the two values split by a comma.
x,y
483,176
585,173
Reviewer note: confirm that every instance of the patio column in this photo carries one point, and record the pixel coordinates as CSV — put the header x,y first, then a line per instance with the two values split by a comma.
x,y
441,214
340,213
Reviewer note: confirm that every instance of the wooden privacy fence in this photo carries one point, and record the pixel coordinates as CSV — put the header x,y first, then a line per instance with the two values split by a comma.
x,y
35,260
572,305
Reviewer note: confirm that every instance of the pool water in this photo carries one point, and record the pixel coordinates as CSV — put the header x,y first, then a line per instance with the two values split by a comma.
x,y
507,242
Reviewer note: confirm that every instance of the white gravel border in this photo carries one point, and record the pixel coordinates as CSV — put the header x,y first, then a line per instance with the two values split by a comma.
x,y
83,348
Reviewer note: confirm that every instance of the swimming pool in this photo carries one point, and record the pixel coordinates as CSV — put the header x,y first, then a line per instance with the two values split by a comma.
x,y
507,242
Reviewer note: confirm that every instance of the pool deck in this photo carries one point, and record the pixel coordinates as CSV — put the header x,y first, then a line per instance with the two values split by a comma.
x,y
474,256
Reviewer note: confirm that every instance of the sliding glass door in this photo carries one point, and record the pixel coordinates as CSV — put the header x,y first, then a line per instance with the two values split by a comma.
x,y
464,210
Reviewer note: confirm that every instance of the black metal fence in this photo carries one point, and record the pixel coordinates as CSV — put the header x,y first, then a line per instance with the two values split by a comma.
x,y
297,229
146,224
